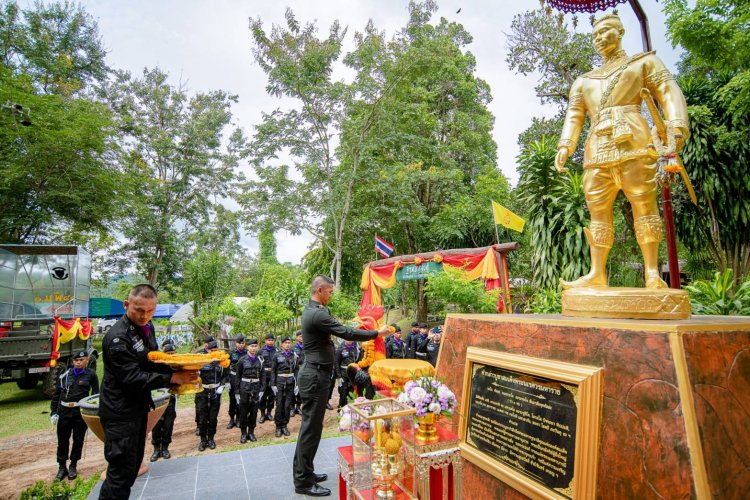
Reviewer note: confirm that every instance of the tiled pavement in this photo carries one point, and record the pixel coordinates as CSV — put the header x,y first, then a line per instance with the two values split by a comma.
x,y
255,473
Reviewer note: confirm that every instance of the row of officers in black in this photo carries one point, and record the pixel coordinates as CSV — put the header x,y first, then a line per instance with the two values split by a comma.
x,y
257,380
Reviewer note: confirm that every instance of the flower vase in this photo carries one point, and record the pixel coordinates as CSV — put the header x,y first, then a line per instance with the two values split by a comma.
x,y
426,431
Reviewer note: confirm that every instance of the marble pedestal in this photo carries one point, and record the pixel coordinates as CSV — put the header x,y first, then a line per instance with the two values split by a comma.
x,y
675,402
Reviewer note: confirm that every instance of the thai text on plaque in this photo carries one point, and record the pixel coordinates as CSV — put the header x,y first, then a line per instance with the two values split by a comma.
x,y
525,422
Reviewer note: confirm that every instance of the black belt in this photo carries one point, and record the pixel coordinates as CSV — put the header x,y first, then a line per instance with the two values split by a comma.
x,y
319,366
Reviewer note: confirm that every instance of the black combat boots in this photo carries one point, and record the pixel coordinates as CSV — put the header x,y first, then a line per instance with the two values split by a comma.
x,y
62,472
72,472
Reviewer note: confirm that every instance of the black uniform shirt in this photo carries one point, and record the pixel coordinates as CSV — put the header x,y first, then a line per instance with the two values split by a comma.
x,y
249,368
344,357
70,388
432,349
128,374
317,328
283,363
266,355
395,349
299,350
234,357
212,373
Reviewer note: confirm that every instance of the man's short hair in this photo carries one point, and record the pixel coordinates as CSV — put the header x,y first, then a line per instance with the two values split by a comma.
x,y
144,290
319,281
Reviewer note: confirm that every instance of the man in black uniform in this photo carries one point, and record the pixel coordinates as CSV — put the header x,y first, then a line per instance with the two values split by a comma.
x,y
396,348
284,385
430,346
72,386
299,350
161,434
267,354
417,340
125,396
201,350
346,353
407,341
314,379
213,377
249,370
234,356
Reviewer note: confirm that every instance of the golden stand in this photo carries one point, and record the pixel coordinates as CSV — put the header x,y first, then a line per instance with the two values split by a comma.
x,y
635,303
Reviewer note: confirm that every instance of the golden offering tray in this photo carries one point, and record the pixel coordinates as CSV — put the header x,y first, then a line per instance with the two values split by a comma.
x,y
189,363
394,373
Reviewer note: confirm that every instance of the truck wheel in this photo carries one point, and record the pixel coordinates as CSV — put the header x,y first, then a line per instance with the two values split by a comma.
x,y
49,381
27,383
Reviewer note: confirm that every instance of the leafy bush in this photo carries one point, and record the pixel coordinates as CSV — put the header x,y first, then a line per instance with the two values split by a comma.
x,y
545,301
468,296
720,296
60,490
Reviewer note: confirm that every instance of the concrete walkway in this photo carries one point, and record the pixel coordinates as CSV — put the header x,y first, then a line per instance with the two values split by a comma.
x,y
258,473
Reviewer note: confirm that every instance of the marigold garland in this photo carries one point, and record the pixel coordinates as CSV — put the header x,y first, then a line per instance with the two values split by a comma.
x,y
190,359
437,258
418,261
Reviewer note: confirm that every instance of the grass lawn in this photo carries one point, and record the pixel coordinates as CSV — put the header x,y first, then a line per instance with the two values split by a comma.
x,y
28,411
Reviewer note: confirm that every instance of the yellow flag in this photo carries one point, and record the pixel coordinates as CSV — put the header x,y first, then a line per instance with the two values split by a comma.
x,y
506,218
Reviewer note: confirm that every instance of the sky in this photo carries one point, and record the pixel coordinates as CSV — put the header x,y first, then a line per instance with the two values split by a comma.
x,y
207,46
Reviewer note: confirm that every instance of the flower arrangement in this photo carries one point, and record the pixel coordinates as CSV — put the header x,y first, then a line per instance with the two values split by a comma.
x,y
429,395
345,418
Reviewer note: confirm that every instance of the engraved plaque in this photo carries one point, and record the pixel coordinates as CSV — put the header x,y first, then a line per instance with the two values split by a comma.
x,y
526,422
533,423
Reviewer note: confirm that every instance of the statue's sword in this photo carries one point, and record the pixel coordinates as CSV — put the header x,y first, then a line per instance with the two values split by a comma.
x,y
661,130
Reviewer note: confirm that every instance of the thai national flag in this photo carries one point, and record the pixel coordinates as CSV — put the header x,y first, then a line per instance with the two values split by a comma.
x,y
383,247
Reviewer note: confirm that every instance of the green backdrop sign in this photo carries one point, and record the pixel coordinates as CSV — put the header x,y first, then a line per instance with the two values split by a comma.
x,y
411,272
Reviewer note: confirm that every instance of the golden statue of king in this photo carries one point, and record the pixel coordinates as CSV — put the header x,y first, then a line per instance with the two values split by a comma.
x,y
620,152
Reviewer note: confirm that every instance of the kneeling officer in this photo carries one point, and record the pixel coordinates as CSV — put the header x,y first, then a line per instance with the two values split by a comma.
x,y
73,385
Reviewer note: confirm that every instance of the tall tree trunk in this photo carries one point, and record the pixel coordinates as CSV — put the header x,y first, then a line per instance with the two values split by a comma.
x,y
421,302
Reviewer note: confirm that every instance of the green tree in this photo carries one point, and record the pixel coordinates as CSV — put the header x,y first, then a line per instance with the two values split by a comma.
x,y
715,79
300,65
430,148
466,296
209,279
556,215
539,46
55,143
174,156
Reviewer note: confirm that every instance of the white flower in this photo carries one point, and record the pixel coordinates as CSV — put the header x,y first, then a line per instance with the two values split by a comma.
x,y
345,423
434,407
444,392
417,395
403,398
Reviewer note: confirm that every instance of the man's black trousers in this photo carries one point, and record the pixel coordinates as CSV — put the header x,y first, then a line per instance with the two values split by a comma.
x,y
313,383
248,411
70,422
124,444
161,435
284,401
208,403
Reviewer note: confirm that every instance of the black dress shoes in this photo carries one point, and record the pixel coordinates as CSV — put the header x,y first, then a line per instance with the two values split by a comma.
x,y
278,432
262,418
252,437
328,406
285,431
313,491
62,473
212,444
243,438
72,472
155,456
202,446
165,454
319,478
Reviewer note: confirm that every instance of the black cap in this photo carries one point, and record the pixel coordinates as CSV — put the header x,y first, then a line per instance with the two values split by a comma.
x,y
167,341
285,339
167,348
423,325
269,336
396,327
299,332
437,329
81,354
252,342
210,338
414,324
212,345
239,338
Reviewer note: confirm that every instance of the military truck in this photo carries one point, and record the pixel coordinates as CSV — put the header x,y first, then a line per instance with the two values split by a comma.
x,y
37,283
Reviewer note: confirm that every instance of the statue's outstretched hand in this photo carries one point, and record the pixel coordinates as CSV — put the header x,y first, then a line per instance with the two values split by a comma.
x,y
560,159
